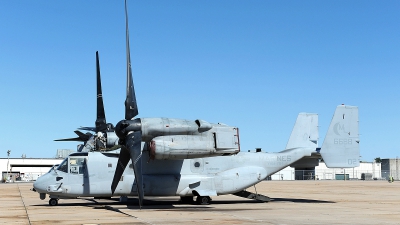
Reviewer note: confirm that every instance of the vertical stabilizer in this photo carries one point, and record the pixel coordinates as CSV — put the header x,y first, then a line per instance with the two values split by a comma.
x,y
305,131
341,144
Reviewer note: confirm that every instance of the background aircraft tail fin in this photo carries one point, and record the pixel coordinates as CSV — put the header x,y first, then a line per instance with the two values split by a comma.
x,y
305,131
341,144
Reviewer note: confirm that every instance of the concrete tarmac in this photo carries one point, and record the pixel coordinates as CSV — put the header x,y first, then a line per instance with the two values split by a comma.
x,y
292,202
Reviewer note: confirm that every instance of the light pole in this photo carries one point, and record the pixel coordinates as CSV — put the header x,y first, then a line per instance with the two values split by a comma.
x,y
8,161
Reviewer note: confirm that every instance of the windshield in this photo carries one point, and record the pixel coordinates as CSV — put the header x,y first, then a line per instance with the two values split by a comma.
x,y
54,166
63,167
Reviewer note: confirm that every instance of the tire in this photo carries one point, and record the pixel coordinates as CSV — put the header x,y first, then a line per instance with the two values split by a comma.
x,y
53,202
203,200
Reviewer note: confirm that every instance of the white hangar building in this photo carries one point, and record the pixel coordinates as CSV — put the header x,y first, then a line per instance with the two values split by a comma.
x,y
27,169
366,171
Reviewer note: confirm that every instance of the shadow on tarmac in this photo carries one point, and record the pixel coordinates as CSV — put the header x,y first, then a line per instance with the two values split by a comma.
x,y
174,203
299,200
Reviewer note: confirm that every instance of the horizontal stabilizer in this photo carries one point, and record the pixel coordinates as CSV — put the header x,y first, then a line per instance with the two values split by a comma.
x,y
341,144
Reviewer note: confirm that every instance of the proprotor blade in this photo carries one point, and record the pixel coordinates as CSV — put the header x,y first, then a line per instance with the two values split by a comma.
x,y
123,160
132,150
70,139
101,124
81,137
133,143
88,128
131,109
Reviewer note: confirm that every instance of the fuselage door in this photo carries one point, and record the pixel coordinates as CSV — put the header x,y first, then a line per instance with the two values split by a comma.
x,y
79,175
77,165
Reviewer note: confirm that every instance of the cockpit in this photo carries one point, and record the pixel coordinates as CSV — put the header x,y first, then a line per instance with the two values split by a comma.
x,y
74,163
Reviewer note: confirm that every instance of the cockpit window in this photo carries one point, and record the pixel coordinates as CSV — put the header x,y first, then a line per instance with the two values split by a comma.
x,y
63,167
54,166
76,165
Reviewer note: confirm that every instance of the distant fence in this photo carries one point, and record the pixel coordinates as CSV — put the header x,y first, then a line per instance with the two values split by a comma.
x,y
335,174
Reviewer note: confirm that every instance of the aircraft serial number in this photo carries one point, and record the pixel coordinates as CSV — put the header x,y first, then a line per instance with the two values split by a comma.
x,y
342,141
352,161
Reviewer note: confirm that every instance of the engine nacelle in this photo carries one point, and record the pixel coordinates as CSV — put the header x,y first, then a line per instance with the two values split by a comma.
x,y
154,127
112,139
218,141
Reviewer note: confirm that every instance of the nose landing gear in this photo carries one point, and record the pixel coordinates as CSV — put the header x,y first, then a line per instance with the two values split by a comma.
x,y
53,202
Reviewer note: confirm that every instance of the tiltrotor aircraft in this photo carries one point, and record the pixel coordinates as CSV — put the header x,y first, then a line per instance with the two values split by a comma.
x,y
89,174
184,157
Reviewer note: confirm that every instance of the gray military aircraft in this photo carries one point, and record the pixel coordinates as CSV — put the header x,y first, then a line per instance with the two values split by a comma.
x,y
89,174
184,157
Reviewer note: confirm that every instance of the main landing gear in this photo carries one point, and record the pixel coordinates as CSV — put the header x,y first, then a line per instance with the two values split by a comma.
x,y
203,200
200,200
53,202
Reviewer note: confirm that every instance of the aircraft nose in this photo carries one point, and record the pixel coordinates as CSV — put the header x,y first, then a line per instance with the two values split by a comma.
x,y
39,185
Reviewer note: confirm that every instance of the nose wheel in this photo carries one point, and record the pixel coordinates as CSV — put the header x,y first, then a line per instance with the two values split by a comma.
x,y
53,202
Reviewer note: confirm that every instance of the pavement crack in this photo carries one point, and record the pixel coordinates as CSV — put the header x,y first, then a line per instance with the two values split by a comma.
x,y
22,199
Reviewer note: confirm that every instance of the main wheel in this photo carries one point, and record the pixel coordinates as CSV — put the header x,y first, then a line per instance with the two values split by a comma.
x,y
203,200
187,199
53,202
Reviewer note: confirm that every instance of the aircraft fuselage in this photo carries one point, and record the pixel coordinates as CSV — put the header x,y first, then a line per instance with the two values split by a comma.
x,y
90,174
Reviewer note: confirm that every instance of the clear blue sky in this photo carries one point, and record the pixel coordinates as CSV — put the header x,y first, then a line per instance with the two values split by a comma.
x,y
251,64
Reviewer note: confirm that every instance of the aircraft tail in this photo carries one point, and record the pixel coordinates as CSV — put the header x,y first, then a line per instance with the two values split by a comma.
x,y
305,131
341,144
